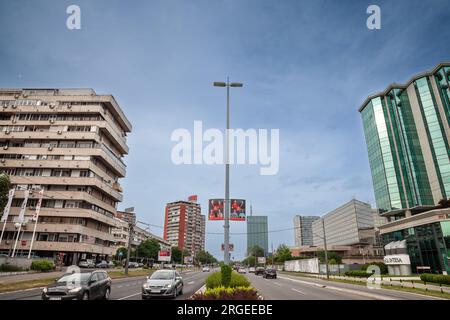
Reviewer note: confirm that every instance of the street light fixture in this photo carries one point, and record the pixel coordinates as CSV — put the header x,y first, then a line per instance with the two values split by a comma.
x,y
226,251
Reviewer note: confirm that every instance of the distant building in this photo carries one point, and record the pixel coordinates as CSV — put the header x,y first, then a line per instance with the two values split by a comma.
x,y
257,233
303,230
184,225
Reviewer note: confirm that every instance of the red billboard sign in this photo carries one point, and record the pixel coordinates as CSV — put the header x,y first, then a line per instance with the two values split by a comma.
x,y
230,247
237,209
215,211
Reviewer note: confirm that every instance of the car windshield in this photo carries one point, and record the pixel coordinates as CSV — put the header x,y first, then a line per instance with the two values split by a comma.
x,y
74,277
162,275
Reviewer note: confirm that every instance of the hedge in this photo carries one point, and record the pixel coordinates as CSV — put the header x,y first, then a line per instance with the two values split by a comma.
x,y
9,268
381,265
42,265
222,293
237,280
226,275
435,278
358,273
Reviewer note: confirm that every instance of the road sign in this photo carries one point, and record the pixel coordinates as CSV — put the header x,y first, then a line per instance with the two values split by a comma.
x,y
261,259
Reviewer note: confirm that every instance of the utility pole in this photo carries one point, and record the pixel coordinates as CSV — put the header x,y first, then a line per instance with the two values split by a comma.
x,y
325,248
130,237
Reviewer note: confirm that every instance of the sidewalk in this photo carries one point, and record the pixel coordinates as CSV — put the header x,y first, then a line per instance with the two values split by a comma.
x,y
30,276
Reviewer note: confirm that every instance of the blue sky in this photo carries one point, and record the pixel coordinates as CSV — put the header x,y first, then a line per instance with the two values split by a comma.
x,y
306,68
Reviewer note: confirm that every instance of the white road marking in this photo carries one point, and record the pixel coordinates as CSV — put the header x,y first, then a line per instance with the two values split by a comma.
x,y
131,295
191,282
298,291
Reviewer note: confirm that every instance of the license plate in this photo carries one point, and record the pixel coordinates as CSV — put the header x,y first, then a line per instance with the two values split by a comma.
x,y
155,291
55,298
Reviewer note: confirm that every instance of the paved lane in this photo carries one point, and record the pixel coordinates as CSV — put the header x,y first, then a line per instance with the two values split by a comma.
x,y
123,289
289,287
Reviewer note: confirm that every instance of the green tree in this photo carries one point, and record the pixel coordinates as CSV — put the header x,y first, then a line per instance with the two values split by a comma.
x,y
121,253
178,255
5,185
204,257
149,249
332,256
282,254
256,251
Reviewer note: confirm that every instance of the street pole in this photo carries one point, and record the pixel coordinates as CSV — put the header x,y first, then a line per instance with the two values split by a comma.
x,y
130,237
226,226
226,258
325,247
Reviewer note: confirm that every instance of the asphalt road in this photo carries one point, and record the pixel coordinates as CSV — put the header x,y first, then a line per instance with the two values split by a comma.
x,y
287,287
123,289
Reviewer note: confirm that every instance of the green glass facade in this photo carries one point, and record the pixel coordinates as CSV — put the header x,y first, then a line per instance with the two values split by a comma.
x,y
392,120
427,245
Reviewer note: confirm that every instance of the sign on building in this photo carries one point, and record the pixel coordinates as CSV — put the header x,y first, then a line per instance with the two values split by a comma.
x,y
164,256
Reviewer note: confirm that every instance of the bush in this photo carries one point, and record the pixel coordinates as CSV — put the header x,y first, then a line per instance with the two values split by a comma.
x,y
237,280
42,265
358,273
9,268
226,275
223,293
381,265
435,278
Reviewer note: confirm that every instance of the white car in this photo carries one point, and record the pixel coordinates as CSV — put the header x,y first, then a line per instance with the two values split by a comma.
x,y
252,269
205,269
242,270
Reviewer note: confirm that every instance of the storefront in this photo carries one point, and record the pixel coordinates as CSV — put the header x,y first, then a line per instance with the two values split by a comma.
x,y
422,241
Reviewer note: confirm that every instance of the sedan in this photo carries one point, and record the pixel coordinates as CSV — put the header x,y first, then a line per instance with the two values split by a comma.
x,y
251,269
270,273
163,283
259,271
102,264
242,270
206,269
79,286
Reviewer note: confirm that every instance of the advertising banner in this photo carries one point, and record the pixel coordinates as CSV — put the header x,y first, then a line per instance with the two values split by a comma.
x,y
230,247
261,259
215,211
164,255
237,210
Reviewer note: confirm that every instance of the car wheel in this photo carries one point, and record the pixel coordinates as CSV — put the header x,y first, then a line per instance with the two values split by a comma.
x,y
85,296
174,295
181,291
107,294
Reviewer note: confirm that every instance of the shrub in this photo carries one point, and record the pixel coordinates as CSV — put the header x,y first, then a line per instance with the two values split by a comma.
x,y
9,268
226,275
381,265
42,265
237,280
357,273
223,293
435,278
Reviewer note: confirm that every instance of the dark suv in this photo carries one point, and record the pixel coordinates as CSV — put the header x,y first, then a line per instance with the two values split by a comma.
x,y
270,273
259,271
79,286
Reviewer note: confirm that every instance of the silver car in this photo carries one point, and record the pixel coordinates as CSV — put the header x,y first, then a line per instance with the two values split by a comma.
x,y
163,283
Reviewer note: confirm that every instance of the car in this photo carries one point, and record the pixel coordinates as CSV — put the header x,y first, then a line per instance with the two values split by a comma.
x,y
163,283
111,264
251,270
79,286
270,273
132,265
86,263
102,264
259,271
242,270
206,269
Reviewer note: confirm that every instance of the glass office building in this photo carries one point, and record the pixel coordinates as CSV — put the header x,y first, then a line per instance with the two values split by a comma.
x,y
407,134
257,233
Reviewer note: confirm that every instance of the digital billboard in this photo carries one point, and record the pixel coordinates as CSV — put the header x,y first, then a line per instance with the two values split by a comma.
x,y
237,210
215,211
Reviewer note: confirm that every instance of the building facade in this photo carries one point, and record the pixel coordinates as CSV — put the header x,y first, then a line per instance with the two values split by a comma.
x,y
351,224
184,225
257,232
70,143
303,230
407,134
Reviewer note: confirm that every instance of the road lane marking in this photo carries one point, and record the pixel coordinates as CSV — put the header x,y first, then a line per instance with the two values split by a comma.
x,y
131,295
298,291
191,282
278,284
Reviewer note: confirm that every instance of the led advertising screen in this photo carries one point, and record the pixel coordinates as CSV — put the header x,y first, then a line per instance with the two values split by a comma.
x,y
237,210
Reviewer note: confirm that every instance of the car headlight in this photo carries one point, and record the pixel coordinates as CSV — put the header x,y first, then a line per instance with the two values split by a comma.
x,y
168,286
145,286
44,290
75,290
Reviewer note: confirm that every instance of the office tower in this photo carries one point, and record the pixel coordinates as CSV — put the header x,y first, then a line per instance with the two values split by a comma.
x,y
303,230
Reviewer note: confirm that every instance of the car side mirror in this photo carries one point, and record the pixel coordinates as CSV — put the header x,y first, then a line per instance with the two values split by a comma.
x,y
91,282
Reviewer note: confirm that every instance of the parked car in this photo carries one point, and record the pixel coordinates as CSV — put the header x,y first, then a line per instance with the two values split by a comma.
x,y
163,283
132,265
251,270
79,286
270,273
87,263
102,264
259,271
242,270
205,269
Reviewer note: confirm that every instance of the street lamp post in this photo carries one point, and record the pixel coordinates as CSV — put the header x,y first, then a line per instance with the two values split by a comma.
x,y
226,226
325,247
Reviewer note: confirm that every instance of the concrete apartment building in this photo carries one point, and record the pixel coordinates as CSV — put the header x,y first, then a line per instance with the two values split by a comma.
x,y
184,225
70,142
407,131
303,230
